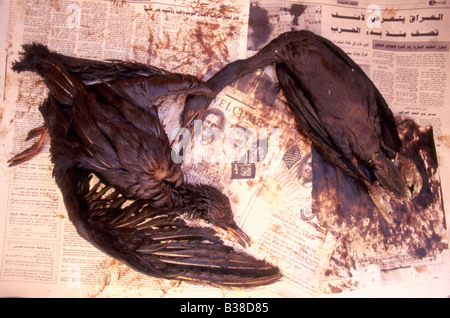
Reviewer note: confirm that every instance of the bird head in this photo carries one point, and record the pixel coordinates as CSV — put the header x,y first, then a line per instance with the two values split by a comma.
x,y
219,212
194,109
196,104
214,207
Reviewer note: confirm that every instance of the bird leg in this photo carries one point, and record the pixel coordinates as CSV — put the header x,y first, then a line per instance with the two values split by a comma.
x,y
36,132
32,151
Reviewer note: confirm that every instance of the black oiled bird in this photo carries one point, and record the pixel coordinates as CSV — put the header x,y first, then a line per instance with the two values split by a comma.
x,y
112,162
337,106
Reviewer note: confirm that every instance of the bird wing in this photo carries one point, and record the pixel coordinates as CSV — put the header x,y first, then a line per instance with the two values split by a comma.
x,y
309,122
101,120
384,170
131,143
154,242
388,126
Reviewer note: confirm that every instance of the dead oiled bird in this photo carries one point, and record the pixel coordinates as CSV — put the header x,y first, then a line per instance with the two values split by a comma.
x,y
124,194
338,107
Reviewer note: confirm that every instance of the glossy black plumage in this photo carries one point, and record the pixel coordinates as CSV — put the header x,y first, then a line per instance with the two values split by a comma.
x,y
103,125
338,107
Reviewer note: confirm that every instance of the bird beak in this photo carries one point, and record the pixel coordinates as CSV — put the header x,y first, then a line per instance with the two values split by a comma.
x,y
198,115
239,235
189,124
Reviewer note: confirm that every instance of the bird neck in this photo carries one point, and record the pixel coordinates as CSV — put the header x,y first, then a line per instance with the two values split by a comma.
x,y
188,198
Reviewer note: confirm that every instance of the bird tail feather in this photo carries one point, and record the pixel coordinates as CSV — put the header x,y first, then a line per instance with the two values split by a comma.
x,y
37,58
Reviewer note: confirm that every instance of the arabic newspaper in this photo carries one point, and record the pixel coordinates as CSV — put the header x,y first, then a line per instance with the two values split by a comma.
x,y
404,48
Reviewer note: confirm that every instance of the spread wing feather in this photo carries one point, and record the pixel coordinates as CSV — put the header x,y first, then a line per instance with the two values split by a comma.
x,y
154,242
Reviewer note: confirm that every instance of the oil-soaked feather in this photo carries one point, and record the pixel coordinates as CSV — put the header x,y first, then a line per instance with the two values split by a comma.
x,y
134,209
388,124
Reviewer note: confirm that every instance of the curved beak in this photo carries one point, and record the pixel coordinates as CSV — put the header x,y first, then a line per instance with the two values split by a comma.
x,y
239,235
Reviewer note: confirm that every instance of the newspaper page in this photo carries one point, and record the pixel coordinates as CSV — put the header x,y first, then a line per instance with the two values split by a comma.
x,y
403,48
